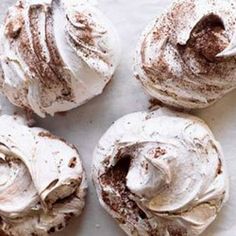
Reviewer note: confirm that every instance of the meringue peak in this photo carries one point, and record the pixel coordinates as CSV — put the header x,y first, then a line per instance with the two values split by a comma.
x,y
56,54
161,172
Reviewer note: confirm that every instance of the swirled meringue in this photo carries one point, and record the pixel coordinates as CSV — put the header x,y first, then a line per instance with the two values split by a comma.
x,y
42,181
186,58
160,173
56,54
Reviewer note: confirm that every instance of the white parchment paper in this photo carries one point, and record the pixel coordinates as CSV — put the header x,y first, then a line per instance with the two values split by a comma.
x,y
85,125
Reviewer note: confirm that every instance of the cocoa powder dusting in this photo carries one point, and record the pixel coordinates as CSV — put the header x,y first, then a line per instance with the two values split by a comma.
x,y
86,32
49,135
121,202
46,134
13,28
219,169
209,43
208,38
158,152
72,162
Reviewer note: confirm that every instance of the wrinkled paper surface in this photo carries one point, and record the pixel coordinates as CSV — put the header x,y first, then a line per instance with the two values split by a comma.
x,y
85,125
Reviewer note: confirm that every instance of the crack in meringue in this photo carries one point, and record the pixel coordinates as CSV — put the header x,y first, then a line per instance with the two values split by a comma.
x,y
160,173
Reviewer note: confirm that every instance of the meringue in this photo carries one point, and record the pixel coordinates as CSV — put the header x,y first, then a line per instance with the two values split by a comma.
x,y
186,57
56,55
42,181
160,173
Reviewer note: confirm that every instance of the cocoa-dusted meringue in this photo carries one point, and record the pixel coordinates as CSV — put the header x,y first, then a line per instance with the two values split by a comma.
x,y
186,58
161,174
42,181
56,54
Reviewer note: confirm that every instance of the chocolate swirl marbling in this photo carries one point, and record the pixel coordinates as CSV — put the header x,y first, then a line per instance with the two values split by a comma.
x,y
186,58
56,54
160,174
42,181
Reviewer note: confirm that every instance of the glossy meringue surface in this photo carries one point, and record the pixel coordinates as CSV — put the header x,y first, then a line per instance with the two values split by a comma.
x,y
160,173
42,181
186,57
56,55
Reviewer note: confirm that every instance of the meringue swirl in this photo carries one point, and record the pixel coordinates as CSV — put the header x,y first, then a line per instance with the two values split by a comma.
x,y
56,54
42,181
160,173
186,57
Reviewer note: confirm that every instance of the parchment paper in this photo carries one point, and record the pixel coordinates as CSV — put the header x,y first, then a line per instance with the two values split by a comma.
x,y
85,125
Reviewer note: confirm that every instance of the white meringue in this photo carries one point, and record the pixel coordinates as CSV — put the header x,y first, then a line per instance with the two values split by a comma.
x,y
186,58
42,181
160,173
56,54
